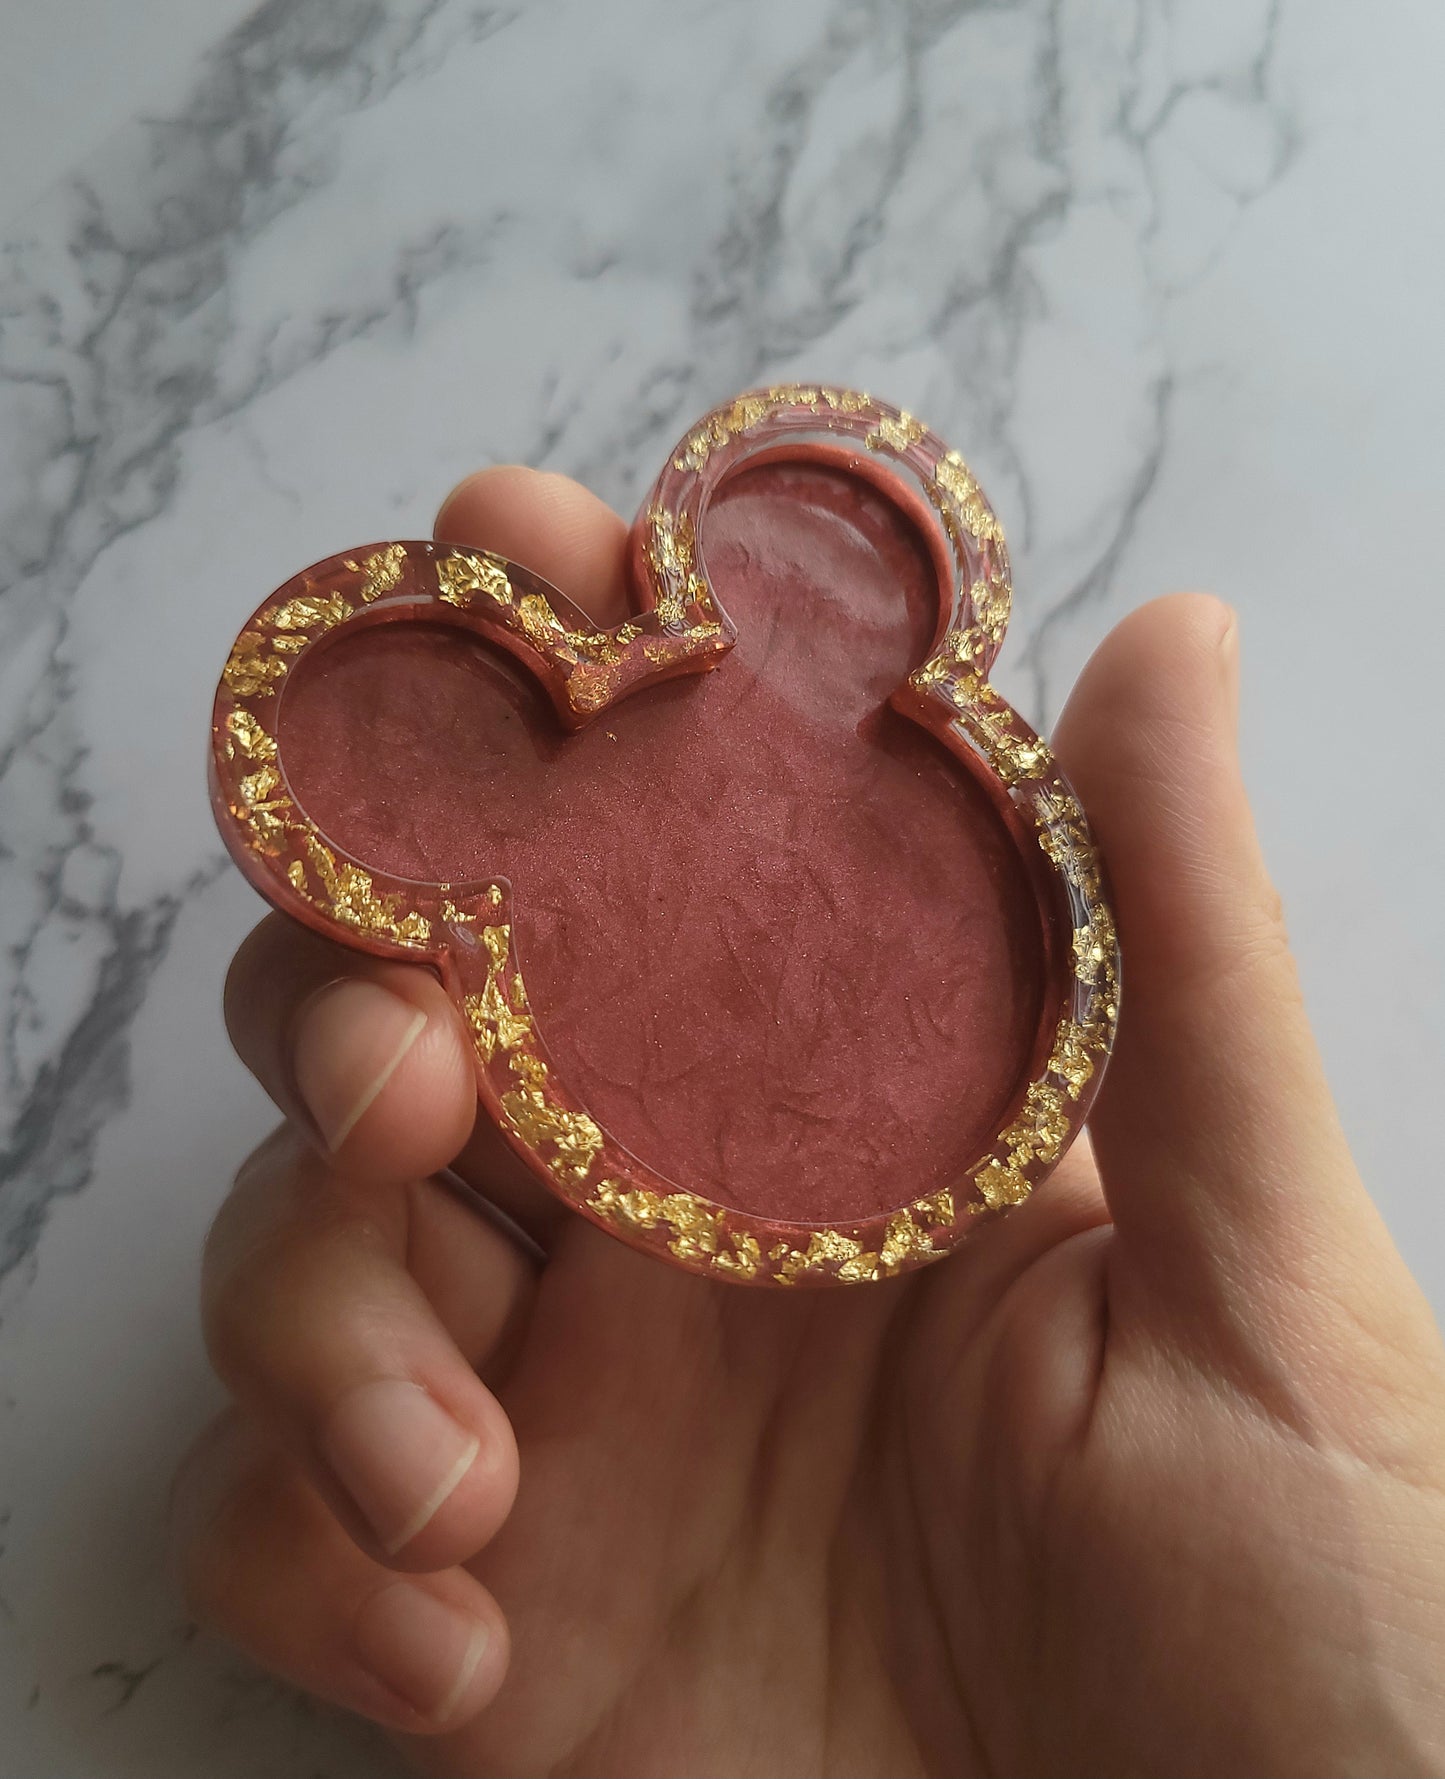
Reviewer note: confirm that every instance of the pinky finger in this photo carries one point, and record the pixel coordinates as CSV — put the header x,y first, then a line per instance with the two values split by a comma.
x,y
265,1565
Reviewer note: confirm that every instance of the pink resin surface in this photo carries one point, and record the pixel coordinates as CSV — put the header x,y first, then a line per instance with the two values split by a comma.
x,y
780,945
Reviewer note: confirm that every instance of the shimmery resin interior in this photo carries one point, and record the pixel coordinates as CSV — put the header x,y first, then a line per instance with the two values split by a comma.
x,y
781,945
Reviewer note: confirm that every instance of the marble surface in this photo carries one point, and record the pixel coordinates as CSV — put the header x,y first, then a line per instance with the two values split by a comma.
x,y
1169,272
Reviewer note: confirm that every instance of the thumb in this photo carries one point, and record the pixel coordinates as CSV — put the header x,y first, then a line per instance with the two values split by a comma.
x,y
1217,1139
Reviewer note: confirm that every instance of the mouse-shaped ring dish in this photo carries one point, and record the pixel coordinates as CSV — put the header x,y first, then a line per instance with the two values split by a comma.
x,y
782,942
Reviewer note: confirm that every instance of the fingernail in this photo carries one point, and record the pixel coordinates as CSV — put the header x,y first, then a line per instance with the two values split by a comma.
x,y
398,1454
1229,663
419,1646
349,1040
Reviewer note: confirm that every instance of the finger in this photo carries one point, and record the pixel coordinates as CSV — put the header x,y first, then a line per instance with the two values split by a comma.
x,y
566,534
265,1565
1215,1108
314,1320
966,1293
371,1058
549,524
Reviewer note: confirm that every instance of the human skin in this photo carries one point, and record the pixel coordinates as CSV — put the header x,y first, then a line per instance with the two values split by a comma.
x,y
1148,1478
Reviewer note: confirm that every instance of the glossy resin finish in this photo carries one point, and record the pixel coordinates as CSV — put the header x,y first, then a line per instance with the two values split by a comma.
x,y
788,971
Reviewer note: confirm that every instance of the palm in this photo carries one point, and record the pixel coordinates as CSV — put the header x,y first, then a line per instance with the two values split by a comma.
x,y
950,1525
801,1521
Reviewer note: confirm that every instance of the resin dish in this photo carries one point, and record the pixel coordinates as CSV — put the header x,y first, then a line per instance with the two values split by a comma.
x,y
783,943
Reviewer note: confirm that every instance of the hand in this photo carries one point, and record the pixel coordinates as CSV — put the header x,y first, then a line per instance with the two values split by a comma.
x,y
1149,1477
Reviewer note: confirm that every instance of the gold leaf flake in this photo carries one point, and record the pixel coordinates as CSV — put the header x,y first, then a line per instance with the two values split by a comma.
x,y
896,434
938,1207
902,1239
956,492
1094,946
827,1248
464,574
1041,1128
991,601
1070,1059
589,687
382,570
574,1138
308,611
745,1257
352,898
250,673
1000,1185
247,737
846,401
257,786
670,551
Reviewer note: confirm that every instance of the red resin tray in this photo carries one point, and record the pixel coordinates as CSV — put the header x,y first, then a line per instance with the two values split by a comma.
x,y
787,972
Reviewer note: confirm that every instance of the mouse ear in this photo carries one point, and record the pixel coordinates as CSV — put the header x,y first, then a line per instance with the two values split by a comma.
x,y
297,867
583,670
919,470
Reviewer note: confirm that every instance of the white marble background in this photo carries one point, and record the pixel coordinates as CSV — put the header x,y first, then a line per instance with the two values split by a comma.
x,y
1170,271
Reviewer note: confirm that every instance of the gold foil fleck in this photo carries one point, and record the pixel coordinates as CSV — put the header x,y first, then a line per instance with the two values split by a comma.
x,y
968,646
938,1207
902,1239
697,1231
351,898
1094,946
1016,754
670,551
574,1137
954,480
1064,838
308,611
512,1029
250,673
247,737
1001,1184
539,622
1070,1057
296,875
895,435
496,1024
1041,1128
464,574
991,600
827,1248
382,570
589,687
724,425
745,1256
846,401
256,787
